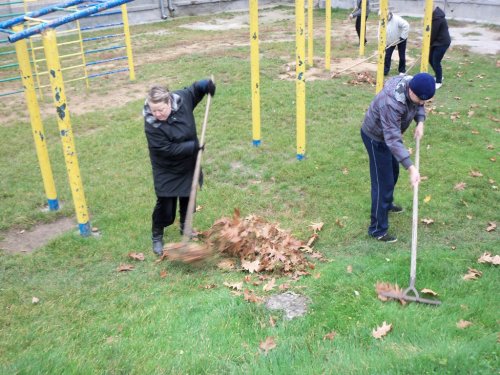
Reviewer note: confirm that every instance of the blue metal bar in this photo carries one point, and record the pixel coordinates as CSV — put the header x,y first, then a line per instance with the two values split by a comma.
x,y
6,31
38,13
101,37
90,51
107,73
101,26
65,19
10,15
106,60
106,14
10,93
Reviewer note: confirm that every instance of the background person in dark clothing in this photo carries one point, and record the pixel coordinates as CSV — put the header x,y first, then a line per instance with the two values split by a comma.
x,y
440,41
357,13
400,102
173,147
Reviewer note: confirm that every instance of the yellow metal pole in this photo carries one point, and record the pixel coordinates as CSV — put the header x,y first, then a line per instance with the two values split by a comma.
x,y
128,43
65,131
384,8
84,60
426,36
36,121
328,33
310,33
255,70
362,32
300,87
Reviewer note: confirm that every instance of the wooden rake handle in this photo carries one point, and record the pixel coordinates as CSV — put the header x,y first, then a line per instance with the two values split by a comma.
x,y
188,224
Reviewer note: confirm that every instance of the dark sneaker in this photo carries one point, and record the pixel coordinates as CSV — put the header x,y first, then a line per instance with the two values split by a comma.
x,y
396,209
386,238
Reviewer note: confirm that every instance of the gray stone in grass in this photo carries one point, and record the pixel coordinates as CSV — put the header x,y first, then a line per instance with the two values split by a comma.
x,y
294,305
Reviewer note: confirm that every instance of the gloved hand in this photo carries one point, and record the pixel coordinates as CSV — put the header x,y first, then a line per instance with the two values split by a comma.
x,y
197,147
401,39
211,87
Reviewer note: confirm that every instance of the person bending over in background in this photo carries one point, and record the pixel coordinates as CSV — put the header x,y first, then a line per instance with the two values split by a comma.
x,y
357,13
440,41
390,113
396,34
173,145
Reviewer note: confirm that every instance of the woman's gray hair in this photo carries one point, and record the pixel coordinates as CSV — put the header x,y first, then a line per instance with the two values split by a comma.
x,y
159,94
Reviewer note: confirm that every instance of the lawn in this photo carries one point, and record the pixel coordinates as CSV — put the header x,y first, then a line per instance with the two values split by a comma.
x,y
90,318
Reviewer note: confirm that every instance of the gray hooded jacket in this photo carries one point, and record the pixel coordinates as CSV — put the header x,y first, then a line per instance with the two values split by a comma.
x,y
390,114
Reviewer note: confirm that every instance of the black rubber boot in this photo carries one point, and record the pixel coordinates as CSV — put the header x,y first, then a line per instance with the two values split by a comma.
x,y
157,239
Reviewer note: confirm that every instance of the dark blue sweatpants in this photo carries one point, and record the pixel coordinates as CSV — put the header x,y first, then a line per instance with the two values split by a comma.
x,y
384,173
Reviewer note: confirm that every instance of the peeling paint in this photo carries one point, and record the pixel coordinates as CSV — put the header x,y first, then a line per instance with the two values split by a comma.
x,y
52,73
61,111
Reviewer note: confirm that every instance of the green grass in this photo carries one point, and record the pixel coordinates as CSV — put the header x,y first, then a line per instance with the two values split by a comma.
x,y
92,319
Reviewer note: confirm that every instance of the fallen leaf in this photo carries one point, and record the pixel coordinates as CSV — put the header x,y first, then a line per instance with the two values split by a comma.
x,y
428,291
163,274
387,288
381,331
251,266
460,186
424,178
469,217
463,324
268,344
136,256
475,132
472,274
475,174
453,247
427,221
272,322
490,147
125,267
491,181
235,286
199,208
226,264
487,258
491,226
284,286
208,286
458,98
330,336
493,159
356,293
316,227
270,285
35,300
470,113
427,199
339,223
345,171
349,269
250,296
95,230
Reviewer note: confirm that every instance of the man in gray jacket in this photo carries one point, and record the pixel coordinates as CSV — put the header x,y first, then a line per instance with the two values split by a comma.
x,y
390,114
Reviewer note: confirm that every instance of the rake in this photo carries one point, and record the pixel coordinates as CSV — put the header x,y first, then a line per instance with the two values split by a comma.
x,y
411,293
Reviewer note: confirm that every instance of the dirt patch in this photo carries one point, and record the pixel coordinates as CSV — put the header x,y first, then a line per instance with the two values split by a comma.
x,y
293,305
17,241
479,39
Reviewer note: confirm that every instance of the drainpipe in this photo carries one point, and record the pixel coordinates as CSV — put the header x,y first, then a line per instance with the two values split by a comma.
x,y
162,10
171,8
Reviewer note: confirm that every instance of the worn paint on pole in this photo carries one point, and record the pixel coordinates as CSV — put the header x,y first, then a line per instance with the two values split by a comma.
x,y
300,86
128,43
381,44
328,33
36,122
310,33
65,131
362,32
426,36
255,70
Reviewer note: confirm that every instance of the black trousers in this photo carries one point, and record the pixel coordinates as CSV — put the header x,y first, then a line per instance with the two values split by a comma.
x,y
358,26
402,58
165,209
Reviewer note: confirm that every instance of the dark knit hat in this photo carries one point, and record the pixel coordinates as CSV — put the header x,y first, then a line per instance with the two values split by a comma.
x,y
423,85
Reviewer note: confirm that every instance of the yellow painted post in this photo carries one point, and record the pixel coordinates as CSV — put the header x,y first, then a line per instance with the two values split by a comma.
x,y
255,70
65,131
362,32
384,9
426,36
310,33
300,87
128,43
84,60
36,121
328,33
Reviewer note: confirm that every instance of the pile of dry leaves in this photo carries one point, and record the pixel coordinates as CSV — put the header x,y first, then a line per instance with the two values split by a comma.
x,y
362,78
262,246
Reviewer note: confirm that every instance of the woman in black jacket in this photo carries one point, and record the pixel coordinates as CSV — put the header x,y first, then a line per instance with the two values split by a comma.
x,y
173,147
440,41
